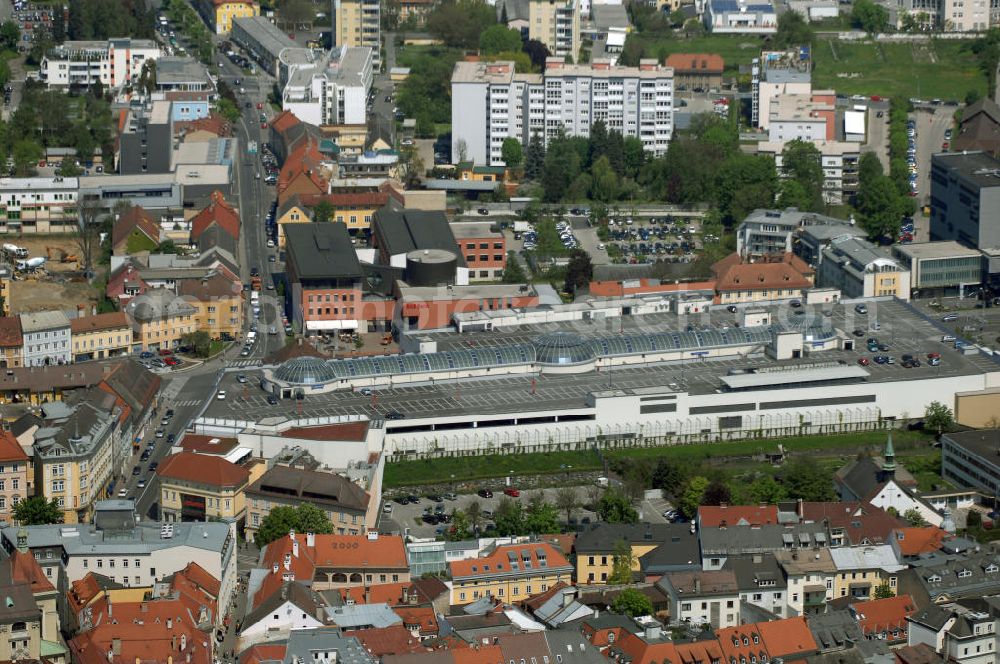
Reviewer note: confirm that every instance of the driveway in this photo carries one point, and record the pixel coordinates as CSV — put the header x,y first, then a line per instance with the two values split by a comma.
x,y
878,135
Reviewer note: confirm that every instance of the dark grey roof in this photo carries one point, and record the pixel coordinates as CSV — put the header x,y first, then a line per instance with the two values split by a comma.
x,y
19,604
975,168
982,443
834,630
752,570
609,16
321,251
680,547
958,576
861,477
291,591
297,484
403,231
214,236
24,423
746,539
620,272
571,640
134,384
931,616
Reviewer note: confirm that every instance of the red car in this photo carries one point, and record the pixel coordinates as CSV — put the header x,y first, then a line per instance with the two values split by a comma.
x,y
166,351
933,356
863,361
170,361
263,125
512,492
260,106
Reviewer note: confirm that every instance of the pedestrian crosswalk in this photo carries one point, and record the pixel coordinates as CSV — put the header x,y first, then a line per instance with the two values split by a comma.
x,y
243,362
187,403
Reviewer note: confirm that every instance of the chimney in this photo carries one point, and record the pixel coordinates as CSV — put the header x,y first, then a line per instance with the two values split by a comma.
x,y
800,508
80,309
170,623
173,642
653,632
368,594
288,561
274,568
295,548
184,640
93,310
116,646
567,596
310,539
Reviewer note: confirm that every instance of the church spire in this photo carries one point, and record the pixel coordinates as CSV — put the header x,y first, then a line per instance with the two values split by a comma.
x,y
889,466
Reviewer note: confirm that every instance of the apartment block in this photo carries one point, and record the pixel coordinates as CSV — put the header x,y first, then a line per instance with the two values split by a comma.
x,y
804,117
101,336
839,160
965,198
14,477
358,23
858,269
46,337
556,23
38,205
113,63
777,73
490,102
510,573
332,90
200,487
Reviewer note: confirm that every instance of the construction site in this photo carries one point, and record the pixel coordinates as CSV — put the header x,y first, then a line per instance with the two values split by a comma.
x,y
57,283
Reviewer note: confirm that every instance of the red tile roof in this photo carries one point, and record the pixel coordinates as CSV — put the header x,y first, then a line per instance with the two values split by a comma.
x,y
787,638
205,469
263,653
884,615
214,124
790,271
304,161
386,593
284,121
211,287
695,63
10,449
618,289
394,640
10,332
196,442
24,568
741,641
717,516
218,212
862,523
198,577
914,541
497,562
83,591
421,618
98,322
134,217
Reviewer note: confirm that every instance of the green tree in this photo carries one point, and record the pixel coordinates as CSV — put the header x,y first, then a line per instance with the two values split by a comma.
x,y
972,96
807,480
198,341
26,153
306,518
974,519
870,17
884,591
69,169
323,211
716,493
880,207
167,247
938,417
459,23
460,526
513,273
615,507
744,183
766,491
541,517
562,166
10,36
227,109
987,51
37,511
692,496
511,152
793,30
802,162
509,517
622,562
604,182
579,271
869,167
497,39
792,194
567,500
669,476
534,158
474,511
537,52
633,603
915,518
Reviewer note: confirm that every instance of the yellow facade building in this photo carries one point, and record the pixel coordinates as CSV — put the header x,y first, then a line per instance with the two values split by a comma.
x,y
219,14
358,23
675,548
218,302
292,211
100,336
200,487
556,23
160,318
861,570
510,574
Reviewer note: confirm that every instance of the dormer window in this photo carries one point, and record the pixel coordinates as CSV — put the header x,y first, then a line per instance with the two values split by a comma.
x,y
964,574
746,641
991,568
756,639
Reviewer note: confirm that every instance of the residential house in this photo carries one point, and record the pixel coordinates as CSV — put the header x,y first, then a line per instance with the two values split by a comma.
x,y
862,570
197,487
809,576
21,570
720,544
21,620
557,605
780,277
345,503
839,639
885,619
218,302
219,14
656,549
963,632
46,338
851,523
290,607
11,342
782,640
134,231
304,171
939,579
760,581
15,471
218,213
292,210
910,543
511,573
324,644
701,597
979,130
354,210
696,70
161,319
724,516
101,336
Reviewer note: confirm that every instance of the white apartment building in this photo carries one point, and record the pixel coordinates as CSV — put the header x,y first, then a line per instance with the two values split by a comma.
x,y
113,63
804,117
46,337
556,23
777,73
333,90
490,102
840,166
38,205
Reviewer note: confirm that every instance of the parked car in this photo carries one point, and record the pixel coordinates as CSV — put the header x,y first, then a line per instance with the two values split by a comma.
x,y
485,493
512,492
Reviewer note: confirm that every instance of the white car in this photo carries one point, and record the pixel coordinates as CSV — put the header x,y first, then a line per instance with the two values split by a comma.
x,y
221,395
122,493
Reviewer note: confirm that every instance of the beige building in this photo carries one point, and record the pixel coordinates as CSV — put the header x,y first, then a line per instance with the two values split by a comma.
x,y
358,23
510,573
556,23
218,302
347,505
28,617
160,318
202,487
100,336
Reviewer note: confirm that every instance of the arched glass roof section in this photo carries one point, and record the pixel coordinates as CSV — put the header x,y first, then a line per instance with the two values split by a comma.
x,y
305,371
563,348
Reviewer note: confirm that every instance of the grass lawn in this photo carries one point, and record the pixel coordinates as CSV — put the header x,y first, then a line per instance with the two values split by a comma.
x,y
406,56
908,444
735,50
216,346
941,69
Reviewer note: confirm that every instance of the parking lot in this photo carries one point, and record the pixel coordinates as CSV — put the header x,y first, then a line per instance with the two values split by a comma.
x,y
643,240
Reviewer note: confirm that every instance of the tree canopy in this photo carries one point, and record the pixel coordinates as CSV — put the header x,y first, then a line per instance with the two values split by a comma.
x,y
632,602
793,30
869,16
301,519
499,38
459,23
37,511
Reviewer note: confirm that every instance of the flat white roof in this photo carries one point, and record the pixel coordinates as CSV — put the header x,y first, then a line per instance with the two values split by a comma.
x,y
744,381
854,122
